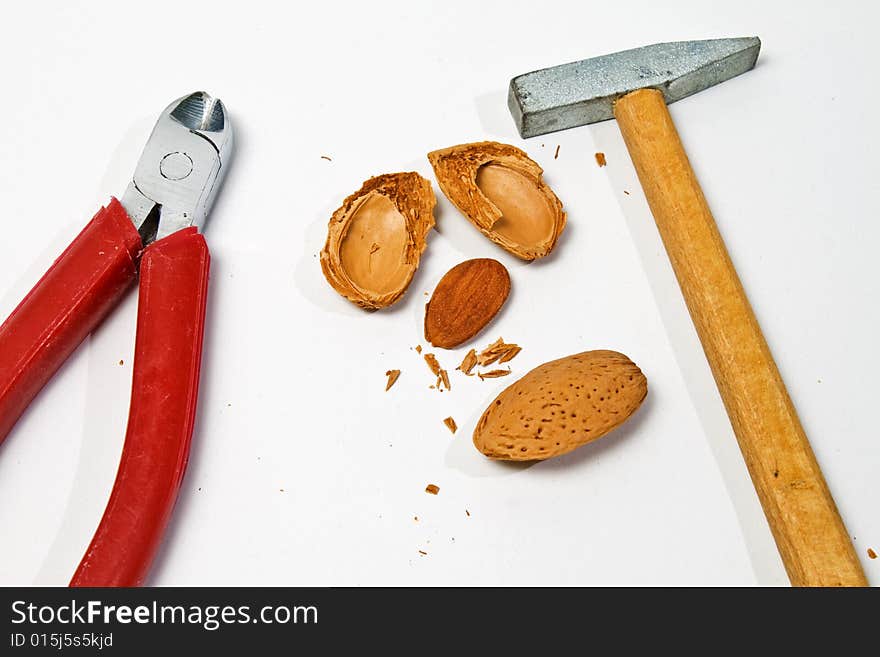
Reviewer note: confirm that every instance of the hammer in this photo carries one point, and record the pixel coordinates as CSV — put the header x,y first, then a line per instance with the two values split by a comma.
x,y
634,86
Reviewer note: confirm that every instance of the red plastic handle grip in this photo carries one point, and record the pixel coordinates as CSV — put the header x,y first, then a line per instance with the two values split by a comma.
x,y
70,300
168,352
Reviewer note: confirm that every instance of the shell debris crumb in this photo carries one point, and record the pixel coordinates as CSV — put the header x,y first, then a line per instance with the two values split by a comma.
x,y
392,375
432,489
600,159
470,360
450,424
498,351
491,353
493,374
510,354
433,364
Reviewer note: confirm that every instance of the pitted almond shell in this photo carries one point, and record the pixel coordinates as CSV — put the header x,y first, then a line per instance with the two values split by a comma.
x,y
376,238
502,192
561,405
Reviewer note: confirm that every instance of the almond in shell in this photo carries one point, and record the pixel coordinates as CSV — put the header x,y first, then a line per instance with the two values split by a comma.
x,y
376,238
561,405
502,192
465,300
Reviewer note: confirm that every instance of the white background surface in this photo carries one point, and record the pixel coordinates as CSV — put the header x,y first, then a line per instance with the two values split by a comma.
x,y
303,470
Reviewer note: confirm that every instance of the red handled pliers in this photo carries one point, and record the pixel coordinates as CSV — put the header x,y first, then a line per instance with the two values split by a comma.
x,y
155,230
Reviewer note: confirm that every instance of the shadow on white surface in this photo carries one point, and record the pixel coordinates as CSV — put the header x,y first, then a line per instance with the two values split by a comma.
x,y
310,279
494,116
100,447
464,457
688,353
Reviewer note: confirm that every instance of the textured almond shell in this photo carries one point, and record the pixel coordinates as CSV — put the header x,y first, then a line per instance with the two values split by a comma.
x,y
561,405
414,199
456,169
465,300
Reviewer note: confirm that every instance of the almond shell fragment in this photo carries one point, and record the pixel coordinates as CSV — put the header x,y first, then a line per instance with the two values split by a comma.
x,y
376,238
502,192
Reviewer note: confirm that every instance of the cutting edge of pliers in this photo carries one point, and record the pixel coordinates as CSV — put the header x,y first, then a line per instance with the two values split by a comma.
x,y
151,236
181,168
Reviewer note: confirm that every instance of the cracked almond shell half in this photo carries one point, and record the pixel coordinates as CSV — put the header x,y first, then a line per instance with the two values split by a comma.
x,y
502,192
376,239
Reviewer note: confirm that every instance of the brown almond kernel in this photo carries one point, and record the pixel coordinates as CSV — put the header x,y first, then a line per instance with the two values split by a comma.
x,y
465,300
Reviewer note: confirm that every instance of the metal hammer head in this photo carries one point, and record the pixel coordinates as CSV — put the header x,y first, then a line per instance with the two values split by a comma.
x,y
584,92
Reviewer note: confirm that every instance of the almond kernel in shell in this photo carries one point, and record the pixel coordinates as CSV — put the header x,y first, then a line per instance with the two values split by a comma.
x,y
561,405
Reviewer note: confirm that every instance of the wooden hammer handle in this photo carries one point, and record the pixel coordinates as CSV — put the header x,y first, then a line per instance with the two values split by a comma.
x,y
812,540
